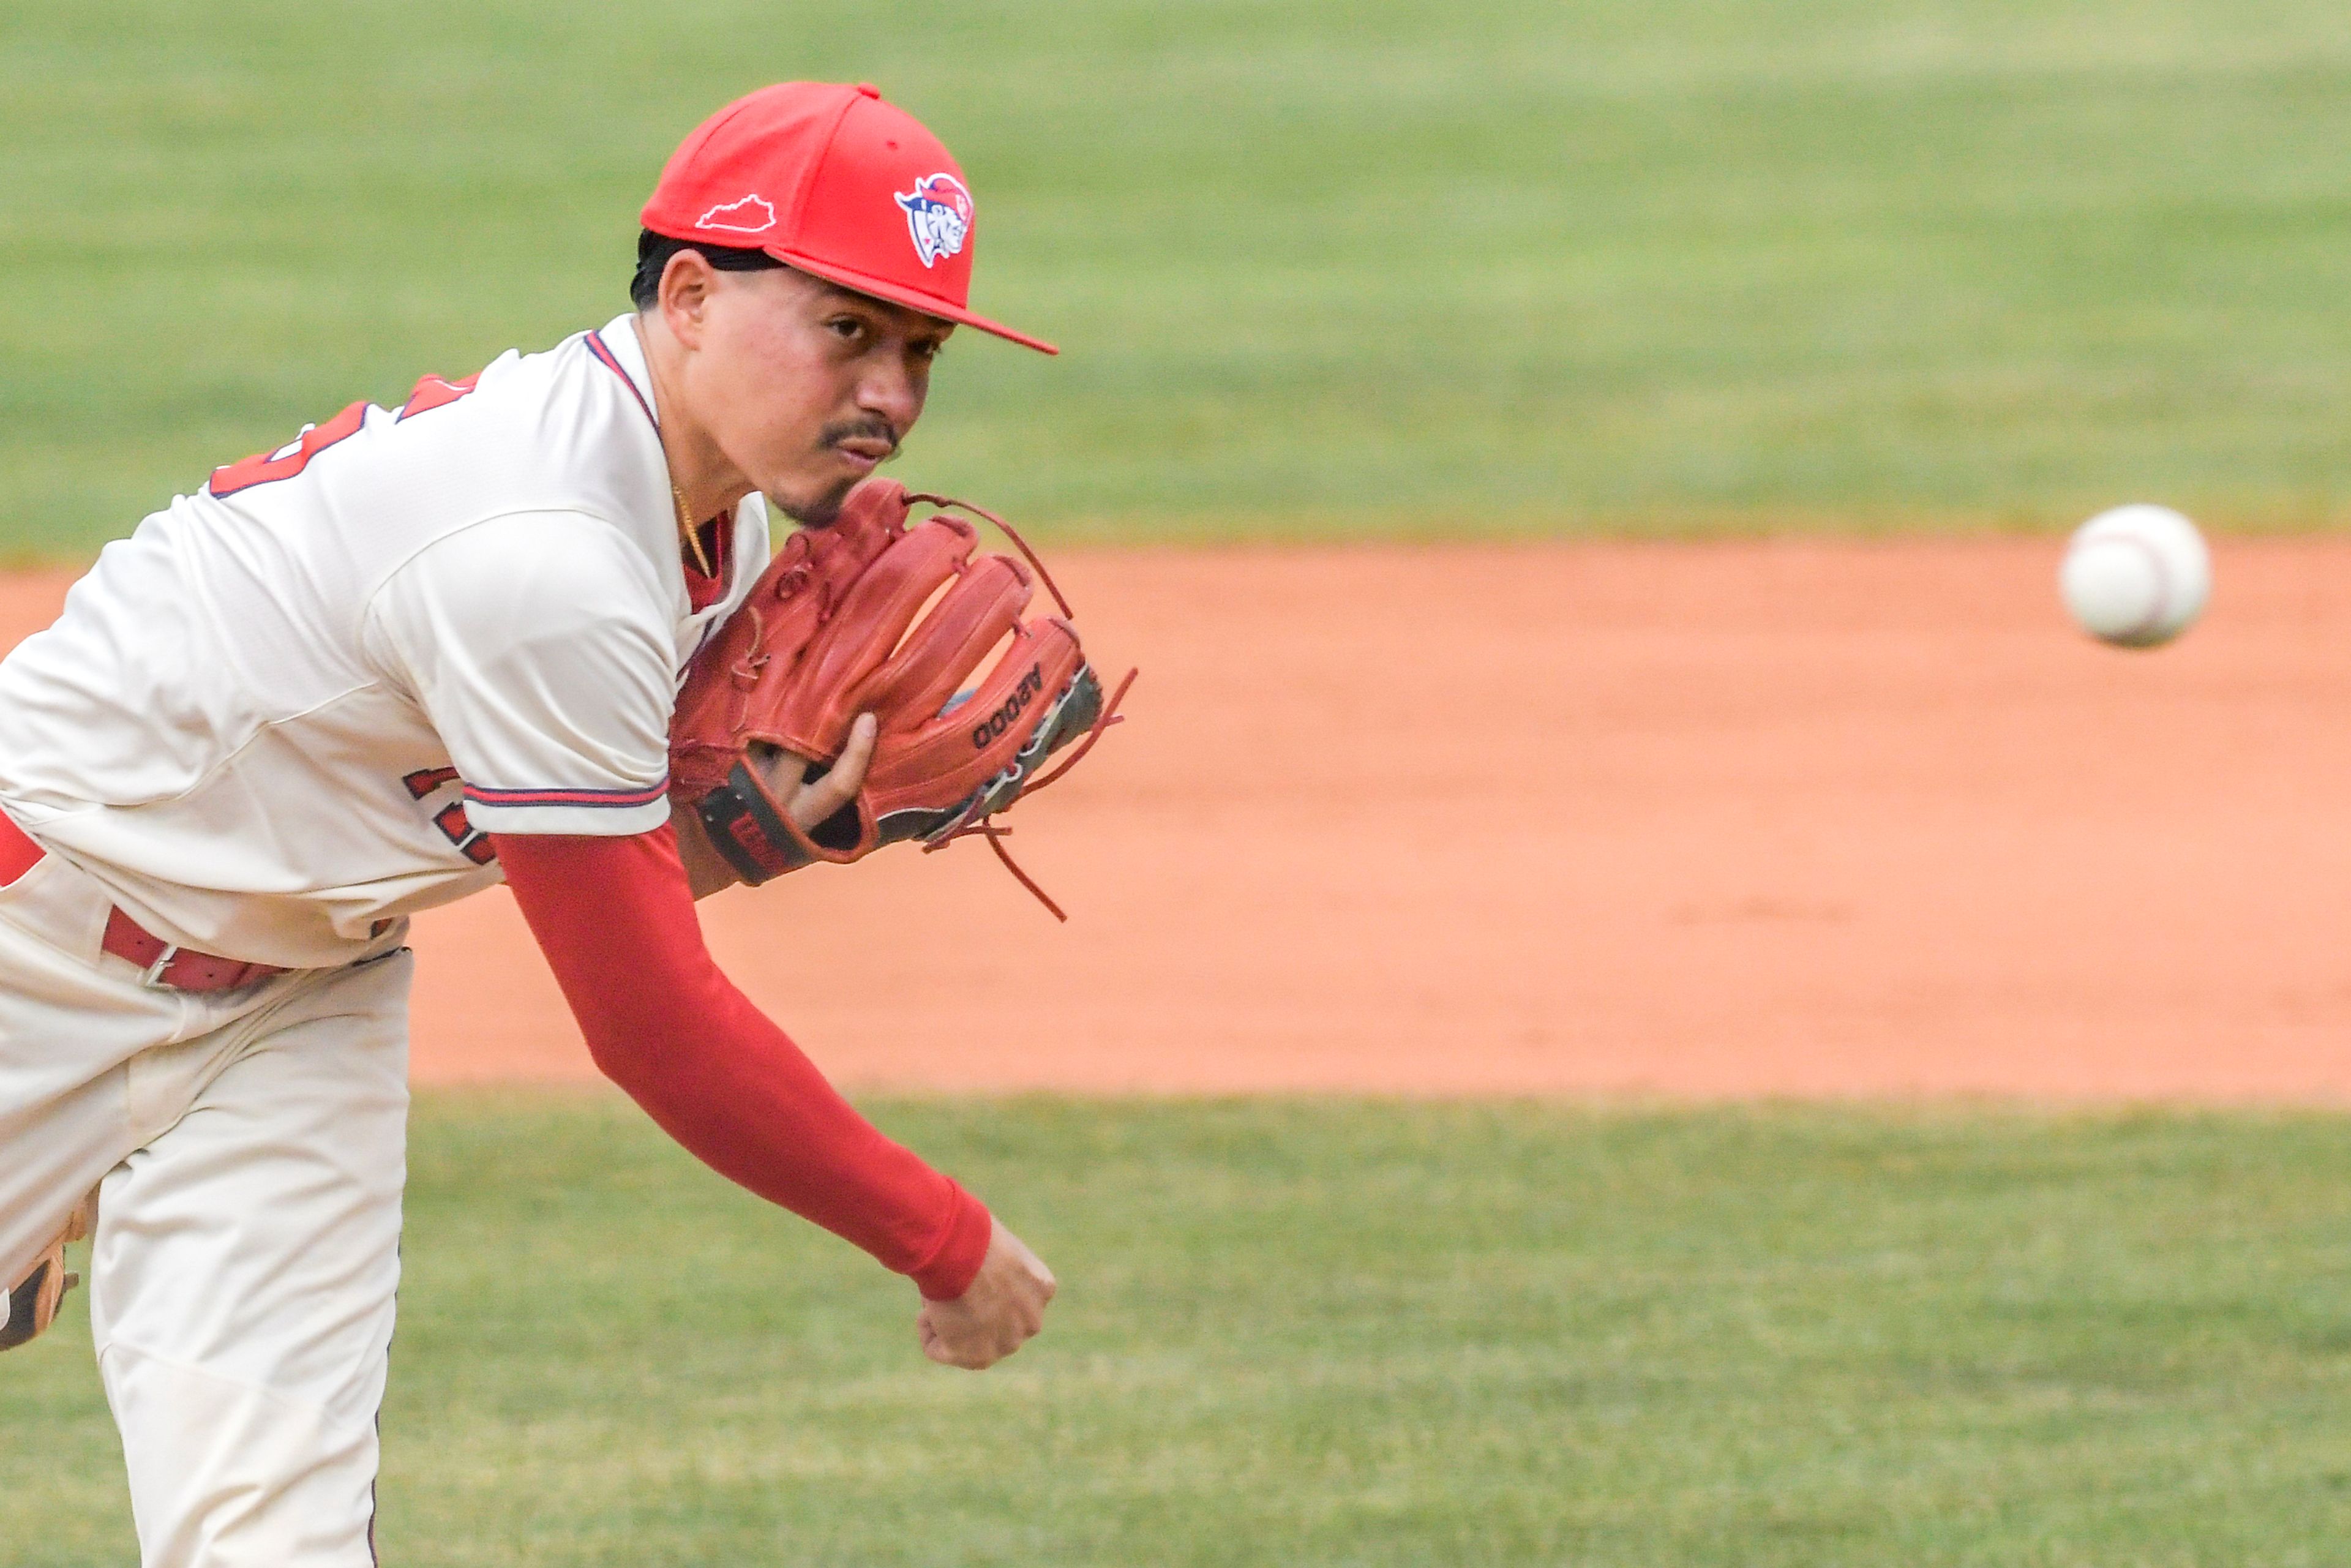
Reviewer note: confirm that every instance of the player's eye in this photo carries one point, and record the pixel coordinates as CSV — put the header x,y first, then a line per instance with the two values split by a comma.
x,y
848,329
929,348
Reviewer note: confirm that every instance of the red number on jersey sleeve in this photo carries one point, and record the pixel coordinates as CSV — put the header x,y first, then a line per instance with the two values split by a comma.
x,y
431,392
436,391
291,458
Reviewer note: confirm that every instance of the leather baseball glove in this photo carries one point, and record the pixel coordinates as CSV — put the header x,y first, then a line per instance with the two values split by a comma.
x,y
30,1305
908,621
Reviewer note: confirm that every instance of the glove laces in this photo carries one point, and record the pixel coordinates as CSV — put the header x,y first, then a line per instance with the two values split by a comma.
x,y
986,827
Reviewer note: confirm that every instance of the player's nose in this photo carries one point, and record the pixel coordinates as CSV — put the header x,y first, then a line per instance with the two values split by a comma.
x,y
892,391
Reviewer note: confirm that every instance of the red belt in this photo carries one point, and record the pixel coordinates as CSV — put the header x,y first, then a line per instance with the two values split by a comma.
x,y
178,967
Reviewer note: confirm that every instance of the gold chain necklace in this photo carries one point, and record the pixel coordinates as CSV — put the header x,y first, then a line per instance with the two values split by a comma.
x,y
691,535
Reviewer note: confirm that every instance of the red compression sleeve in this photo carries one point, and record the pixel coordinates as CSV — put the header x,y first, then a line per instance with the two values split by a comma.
x,y
616,922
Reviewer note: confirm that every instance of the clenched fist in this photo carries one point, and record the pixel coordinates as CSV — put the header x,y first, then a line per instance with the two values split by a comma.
x,y
1004,1308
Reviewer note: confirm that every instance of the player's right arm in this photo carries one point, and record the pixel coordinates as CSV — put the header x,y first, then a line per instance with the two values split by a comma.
x,y
615,918
546,668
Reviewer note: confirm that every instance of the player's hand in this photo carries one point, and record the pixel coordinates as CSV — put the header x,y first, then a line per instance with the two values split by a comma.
x,y
1003,1309
784,773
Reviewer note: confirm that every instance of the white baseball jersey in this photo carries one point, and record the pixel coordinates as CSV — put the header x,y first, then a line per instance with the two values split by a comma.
x,y
287,708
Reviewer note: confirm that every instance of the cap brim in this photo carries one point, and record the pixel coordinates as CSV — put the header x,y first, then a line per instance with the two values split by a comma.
x,y
899,294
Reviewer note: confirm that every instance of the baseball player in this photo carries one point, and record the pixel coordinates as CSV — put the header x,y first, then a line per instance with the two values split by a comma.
x,y
410,652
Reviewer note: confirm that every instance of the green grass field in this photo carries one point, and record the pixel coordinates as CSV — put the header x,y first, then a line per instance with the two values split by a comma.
x,y
1330,266
1358,1334
1322,269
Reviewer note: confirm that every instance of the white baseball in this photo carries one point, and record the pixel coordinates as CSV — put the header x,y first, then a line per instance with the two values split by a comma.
x,y
2136,576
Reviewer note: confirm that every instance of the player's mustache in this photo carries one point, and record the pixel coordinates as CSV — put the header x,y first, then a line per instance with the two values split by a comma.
x,y
874,429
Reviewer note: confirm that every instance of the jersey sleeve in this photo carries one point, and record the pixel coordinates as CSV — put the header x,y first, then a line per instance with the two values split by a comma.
x,y
616,921
540,648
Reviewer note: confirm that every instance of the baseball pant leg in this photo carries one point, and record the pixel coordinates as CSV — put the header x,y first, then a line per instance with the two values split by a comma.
x,y
67,1029
243,1275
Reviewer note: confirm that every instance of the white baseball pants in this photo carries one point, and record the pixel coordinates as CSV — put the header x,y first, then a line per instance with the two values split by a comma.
x,y
248,1148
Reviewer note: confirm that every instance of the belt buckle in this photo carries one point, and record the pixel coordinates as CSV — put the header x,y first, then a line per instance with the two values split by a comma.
x,y
151,977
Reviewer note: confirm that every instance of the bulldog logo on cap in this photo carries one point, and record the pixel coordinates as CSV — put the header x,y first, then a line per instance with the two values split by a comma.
x,y
938,215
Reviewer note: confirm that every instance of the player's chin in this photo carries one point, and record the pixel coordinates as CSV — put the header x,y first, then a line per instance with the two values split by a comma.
x,y
812,497
814,505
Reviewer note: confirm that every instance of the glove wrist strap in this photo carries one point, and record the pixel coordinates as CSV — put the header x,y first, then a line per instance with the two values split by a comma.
x,y
749,834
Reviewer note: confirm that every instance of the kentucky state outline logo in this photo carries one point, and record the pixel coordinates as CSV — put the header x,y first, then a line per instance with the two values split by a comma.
x,y
938,215
745,215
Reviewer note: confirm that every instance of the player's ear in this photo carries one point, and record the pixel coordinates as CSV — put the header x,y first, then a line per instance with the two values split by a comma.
x,y
684,296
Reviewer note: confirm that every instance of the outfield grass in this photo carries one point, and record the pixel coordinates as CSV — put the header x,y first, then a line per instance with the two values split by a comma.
x,y
1323,1334
1333,266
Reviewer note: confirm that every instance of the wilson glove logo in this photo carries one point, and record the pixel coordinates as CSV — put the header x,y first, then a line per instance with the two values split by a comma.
x,y
997,723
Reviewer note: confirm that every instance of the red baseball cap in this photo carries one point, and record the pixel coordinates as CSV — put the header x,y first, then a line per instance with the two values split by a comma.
x,y
831,180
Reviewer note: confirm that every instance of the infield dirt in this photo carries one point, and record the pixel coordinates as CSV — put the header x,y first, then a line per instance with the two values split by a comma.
x,y
1764,817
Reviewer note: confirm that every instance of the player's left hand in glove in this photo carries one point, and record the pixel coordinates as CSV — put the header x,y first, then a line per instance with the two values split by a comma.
x,y
907,624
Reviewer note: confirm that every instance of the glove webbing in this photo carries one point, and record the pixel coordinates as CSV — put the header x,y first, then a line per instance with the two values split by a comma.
x,y
986,826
